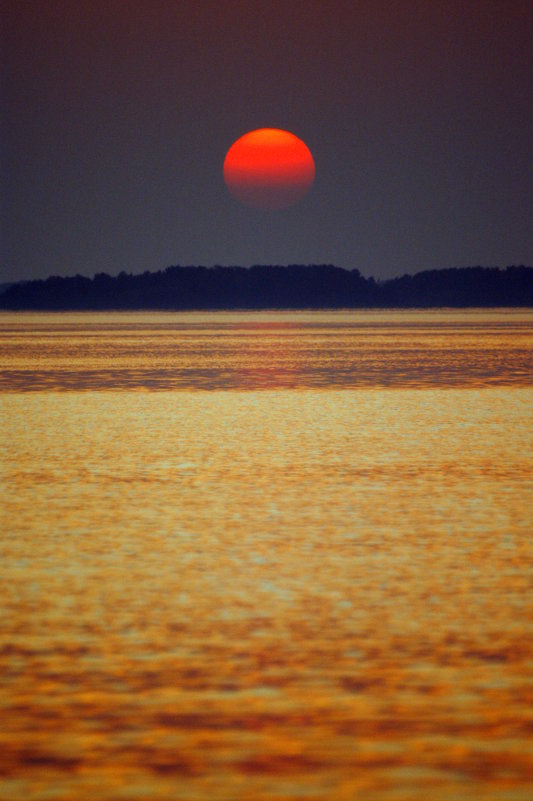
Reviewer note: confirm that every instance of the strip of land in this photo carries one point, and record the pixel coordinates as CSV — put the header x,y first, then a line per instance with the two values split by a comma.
x,y
274,287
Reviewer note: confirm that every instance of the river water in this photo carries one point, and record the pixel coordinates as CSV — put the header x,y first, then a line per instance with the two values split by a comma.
x,y
266,556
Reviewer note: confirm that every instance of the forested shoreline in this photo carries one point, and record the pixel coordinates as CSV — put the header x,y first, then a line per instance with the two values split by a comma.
x,y
274,287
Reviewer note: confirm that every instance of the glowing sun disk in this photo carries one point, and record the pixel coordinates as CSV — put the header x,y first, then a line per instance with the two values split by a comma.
x,y
269,168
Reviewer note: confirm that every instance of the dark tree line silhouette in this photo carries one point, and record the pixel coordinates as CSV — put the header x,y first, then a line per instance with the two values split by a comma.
x,y
274,287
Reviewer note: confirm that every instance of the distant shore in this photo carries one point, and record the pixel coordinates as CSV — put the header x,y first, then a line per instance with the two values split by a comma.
x,y
273,287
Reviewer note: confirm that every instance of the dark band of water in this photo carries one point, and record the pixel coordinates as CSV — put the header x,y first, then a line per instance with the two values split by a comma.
x,y
216,351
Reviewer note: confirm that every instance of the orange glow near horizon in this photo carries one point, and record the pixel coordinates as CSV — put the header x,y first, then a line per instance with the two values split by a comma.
x,y
269,168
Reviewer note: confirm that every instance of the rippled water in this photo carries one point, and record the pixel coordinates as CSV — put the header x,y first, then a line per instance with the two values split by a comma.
x,y
265,350
300,569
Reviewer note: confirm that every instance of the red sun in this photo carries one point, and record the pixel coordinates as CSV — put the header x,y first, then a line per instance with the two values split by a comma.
x,y
269,169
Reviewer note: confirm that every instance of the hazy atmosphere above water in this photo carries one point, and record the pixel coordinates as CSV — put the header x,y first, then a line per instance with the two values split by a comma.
x,y
118,116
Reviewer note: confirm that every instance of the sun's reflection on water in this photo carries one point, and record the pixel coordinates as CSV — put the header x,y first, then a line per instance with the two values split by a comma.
x,y
266,594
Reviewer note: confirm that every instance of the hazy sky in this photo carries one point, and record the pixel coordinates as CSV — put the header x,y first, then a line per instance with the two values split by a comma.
x,y
118,115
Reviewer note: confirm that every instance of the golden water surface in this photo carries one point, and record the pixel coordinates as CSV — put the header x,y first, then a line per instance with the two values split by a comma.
x,y
266,557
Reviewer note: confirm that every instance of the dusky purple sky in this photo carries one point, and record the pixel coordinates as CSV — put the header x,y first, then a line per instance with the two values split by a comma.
x,y
118,115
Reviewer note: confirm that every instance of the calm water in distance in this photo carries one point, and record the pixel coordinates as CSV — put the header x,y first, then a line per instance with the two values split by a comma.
x,y
266,556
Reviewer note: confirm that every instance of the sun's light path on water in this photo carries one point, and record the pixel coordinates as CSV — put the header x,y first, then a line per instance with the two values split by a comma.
x,y
272,555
